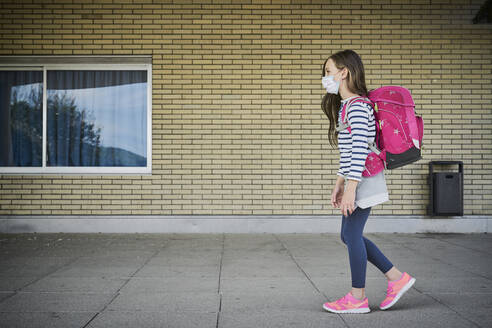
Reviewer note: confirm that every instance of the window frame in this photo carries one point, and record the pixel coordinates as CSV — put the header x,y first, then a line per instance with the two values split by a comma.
x,y
79,65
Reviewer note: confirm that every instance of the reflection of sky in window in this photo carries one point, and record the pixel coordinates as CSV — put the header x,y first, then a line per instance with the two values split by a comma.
x,y
24,93
120,112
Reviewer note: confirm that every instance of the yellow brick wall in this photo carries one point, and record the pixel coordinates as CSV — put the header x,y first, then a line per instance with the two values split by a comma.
x,y
236,117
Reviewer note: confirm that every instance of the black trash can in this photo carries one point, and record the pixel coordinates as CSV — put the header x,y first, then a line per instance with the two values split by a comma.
x,y
446,190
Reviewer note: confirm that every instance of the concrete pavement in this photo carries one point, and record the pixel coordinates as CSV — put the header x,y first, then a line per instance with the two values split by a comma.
x,y
236,280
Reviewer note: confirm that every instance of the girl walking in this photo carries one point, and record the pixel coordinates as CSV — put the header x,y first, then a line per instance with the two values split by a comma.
x,y
344,80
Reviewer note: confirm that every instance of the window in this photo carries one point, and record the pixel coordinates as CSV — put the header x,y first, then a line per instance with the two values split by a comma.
x,y
80,117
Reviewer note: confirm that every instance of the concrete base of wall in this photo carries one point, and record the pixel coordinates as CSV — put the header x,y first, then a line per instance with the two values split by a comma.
x,y
240,224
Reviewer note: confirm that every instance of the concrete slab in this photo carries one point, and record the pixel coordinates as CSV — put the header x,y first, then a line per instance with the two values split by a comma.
x,y
60,284
291,284
5,294
265,300
45,319
475,307
210,271
31,266
149,319
166,301
186,258
280,319
236,280
96,270
54,302
9,283
183,284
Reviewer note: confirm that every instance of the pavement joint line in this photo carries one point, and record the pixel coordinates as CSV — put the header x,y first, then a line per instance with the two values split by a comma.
x,y
117,293
307,276
220,276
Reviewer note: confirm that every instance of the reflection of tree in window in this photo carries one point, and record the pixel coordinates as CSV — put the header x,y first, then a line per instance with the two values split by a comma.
x,y
73,129
24,111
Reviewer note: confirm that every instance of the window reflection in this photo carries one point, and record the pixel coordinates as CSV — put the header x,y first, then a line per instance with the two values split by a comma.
x,y
97,118
21,118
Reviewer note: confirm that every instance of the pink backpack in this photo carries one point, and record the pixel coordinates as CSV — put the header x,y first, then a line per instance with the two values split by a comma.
x,y
399,131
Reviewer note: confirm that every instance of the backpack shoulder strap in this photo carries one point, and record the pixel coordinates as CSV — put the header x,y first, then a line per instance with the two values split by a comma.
x,y
346,123
349,103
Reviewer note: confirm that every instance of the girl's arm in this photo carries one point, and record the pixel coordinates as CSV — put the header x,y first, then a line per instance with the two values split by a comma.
x,y
358,117
352,184
340,181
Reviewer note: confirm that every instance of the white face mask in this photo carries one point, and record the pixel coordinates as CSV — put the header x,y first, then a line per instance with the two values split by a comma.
x,y
330,84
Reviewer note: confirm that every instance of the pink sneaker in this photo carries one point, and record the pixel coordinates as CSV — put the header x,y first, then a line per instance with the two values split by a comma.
x,y
348,304
396,289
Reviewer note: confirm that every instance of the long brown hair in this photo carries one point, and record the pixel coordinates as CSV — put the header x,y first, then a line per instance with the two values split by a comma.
x,y
356,83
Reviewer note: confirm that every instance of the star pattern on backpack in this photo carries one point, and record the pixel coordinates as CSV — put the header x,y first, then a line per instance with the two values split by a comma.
x,y
404,122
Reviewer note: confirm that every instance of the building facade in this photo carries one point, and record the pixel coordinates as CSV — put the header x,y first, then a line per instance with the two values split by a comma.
x,y
205,116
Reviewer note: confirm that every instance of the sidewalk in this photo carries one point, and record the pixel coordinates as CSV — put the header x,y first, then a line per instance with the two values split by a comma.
x,y
236,280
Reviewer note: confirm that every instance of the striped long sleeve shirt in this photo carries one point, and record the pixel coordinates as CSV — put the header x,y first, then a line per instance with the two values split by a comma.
x,y
353,145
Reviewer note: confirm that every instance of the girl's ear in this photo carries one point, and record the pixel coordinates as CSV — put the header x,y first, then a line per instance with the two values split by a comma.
x,y
344,73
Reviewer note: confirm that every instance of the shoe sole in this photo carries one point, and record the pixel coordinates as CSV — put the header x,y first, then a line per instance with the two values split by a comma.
x,y
400,294
362,310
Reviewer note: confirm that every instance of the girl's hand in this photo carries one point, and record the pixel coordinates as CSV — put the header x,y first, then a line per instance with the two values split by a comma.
x,y
336,195
348,200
